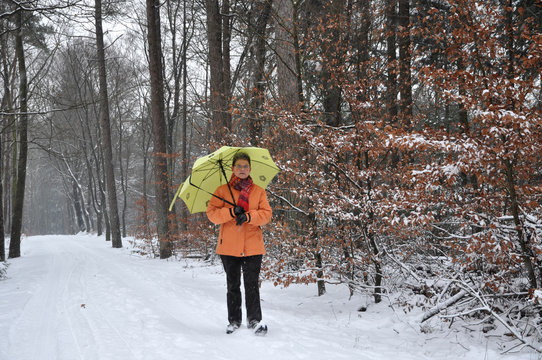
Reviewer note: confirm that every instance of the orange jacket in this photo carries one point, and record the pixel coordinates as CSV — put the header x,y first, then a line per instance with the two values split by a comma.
x,y
244,240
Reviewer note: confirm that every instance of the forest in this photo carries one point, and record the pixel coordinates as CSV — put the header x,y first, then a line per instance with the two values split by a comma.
x,y
408,134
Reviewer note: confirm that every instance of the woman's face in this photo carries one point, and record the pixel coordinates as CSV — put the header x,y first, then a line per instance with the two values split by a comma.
x,y
241,169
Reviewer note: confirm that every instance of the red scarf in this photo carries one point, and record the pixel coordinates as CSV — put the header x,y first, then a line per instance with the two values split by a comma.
x,y
244,186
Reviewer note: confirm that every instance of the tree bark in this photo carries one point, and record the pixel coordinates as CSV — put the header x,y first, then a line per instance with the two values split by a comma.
x,y
375,258
184,121
106,133
318,262
4,107
258,79
76,203
523,237
405,76
226,21
17,216
332,52
363,46
184,60
527,252
221,118
287,76
172,9
158,126
391,80
2,239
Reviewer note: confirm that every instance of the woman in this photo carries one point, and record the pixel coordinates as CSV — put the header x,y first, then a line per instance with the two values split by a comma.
x,y
240,241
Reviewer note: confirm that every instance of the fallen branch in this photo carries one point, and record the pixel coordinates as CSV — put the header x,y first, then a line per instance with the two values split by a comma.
x,y
439,307
489,309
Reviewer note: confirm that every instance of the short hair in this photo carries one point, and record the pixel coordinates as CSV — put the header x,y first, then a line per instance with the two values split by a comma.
x,y
240,156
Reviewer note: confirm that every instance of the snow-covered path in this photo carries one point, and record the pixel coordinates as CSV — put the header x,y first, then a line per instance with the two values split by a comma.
x,y
74,297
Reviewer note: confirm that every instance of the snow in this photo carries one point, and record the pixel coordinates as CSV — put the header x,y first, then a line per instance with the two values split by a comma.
x,y
75,297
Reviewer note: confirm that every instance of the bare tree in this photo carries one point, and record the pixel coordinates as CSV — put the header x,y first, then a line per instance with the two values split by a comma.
x,y
258,83
17,216
391,80
218,39
405,76
332,53
286,43
158,126
3,107
106,132
2,240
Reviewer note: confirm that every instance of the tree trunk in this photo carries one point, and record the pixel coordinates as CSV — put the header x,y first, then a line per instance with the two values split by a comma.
x,y
2,239
221,118
375,258
4,107
523,237
173,116
124,184
84,209
106,134
391,80
145,217
99,220
332,57
286,54
297,51
123,177
103,206
527,252
17,218
258,80
226,20
158,126
363,45
405,76
320,282
463,114
184,59
6,184
184,141
76,203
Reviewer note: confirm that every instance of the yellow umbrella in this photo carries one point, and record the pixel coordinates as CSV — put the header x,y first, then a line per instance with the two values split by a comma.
x,y
213,170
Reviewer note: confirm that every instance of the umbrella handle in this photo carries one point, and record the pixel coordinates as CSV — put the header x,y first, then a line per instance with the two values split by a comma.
x,y
227,182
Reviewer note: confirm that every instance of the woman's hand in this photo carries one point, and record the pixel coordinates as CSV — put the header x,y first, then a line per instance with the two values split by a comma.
x,y
238,210
239,220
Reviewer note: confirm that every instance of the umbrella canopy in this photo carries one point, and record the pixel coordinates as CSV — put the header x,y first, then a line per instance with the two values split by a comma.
x,y
215,169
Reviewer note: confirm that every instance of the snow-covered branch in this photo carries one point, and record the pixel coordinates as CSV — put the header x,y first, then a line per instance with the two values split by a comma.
x,y
282,198
444,305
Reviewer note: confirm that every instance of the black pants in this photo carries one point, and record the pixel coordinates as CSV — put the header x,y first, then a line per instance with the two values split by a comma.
x,y
251,266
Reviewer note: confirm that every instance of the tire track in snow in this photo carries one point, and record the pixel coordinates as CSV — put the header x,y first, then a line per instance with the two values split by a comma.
x,y
53,324
37,323
163,314
170,312
92,328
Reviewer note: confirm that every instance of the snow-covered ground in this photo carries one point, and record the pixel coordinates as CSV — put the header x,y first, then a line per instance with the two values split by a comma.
x,y
74,297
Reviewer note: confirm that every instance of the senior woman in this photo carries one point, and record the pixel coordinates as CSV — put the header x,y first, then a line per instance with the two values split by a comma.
x,y
240,241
